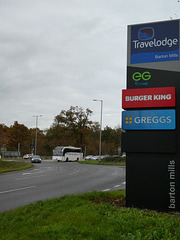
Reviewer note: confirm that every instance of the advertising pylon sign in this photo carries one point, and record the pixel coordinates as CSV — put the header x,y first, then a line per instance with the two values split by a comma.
x,y
151,116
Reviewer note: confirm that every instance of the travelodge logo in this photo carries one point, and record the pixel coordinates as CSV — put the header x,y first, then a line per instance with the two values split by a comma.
x,y
155,43
146,33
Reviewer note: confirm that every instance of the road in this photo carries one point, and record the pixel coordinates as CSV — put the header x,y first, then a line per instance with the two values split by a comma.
x,y
54,179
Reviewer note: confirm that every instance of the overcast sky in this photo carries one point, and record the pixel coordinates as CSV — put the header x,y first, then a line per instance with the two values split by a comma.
x,y
60,53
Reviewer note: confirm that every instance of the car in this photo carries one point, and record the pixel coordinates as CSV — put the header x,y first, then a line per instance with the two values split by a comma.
x,y
27,156
88,157
95,157
123,154
36,159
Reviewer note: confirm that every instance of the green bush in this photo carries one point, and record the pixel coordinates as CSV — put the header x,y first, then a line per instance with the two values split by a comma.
x,y
115,159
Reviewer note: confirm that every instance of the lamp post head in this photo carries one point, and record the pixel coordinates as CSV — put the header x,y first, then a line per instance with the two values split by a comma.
x,y
38,115
97,100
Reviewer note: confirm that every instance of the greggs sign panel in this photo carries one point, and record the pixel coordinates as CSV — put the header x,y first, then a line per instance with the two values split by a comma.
x,y
148,97
149,119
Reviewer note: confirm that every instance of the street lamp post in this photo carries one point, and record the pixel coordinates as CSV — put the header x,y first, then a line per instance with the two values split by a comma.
x,y
100,136
36,131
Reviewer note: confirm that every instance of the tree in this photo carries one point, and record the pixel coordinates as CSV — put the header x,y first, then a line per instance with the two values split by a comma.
x,y
4,135
75,123
19,133
111,140
71,127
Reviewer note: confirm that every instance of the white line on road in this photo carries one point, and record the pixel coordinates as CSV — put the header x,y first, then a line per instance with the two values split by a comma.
x,y
17,189
76,171
106,190
117,186
29,173
30,177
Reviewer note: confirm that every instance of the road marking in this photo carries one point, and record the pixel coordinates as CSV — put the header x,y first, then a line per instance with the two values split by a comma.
x,y
106,190
117,186
76,171
17,189
29,173
23,178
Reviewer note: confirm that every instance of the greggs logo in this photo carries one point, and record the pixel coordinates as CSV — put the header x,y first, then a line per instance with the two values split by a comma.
x,y
148,120
128,120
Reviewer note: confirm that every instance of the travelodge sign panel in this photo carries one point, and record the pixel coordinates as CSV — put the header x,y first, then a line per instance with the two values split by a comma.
x,y
155,42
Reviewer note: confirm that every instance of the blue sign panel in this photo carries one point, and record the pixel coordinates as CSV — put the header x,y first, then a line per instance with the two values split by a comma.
x,y
155,42
149,119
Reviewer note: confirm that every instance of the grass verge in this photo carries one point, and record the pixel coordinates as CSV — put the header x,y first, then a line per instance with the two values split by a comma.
x,y
10,166
116,161
81,217
96,162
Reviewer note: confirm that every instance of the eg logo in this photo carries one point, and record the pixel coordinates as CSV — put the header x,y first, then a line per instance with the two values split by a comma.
x,y
146,33
145,76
